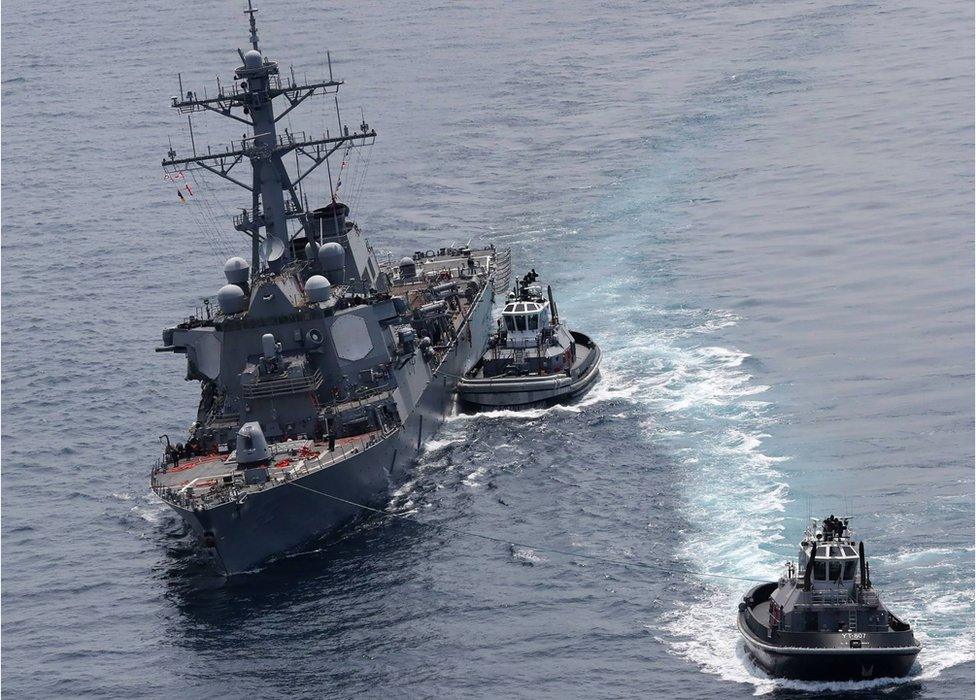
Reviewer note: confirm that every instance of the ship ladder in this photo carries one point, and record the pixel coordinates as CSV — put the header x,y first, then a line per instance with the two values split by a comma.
x,y
852,620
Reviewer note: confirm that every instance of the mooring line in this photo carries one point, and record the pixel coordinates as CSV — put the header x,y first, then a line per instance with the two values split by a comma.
x,y
540,548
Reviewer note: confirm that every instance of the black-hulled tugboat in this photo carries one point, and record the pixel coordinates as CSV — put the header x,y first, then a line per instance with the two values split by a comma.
x,y
533,359
823,620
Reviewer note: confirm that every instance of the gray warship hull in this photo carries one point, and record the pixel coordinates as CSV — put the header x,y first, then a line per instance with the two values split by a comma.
x,y
242,535
322,369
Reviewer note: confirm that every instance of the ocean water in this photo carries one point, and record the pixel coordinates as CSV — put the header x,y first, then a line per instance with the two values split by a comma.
x,y
763,211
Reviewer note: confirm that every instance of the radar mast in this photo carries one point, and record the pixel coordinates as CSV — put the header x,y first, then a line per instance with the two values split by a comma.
x,y
274,195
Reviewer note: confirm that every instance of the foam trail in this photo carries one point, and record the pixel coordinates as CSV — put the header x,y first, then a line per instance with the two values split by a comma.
x,y
708,412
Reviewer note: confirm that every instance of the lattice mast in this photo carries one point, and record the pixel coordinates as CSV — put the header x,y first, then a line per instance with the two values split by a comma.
x,y
274,195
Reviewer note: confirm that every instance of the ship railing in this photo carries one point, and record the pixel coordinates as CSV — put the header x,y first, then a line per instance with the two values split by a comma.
x,y
503,271
267,388
829,597
245,220
869,597
361,399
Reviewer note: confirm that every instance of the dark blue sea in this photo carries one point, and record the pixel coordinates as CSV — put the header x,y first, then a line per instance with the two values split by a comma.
x,y
763,211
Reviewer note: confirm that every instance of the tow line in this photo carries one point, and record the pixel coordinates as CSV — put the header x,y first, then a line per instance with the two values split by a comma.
x,y
536,547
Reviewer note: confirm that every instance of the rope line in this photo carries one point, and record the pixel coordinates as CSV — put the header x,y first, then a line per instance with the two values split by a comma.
x,y
540,548
202,198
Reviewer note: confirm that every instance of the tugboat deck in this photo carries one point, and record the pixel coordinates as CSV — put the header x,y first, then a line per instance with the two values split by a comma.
x,y
583,353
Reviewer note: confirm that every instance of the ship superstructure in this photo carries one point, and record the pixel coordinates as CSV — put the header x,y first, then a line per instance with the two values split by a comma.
x,y
322,369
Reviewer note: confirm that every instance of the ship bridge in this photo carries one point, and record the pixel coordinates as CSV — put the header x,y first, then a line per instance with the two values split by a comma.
x,y
834,553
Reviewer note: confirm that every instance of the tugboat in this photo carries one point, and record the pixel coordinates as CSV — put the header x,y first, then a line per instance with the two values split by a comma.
x,y
532,359
322,370
826,623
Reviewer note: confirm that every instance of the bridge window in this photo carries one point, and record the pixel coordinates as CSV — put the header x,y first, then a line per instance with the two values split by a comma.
x,y
820,571
534,322
520,322
850,568
510,323
835,569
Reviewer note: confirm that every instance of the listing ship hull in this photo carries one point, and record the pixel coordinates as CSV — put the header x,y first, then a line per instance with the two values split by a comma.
x,y
242,535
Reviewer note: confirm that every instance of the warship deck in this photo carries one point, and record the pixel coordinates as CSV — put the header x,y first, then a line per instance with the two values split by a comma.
x,y
208,473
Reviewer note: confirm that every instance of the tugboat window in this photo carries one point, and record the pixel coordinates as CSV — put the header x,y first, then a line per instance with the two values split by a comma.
x,y
510,323
520,322
835,568
849,569
534,322
820,571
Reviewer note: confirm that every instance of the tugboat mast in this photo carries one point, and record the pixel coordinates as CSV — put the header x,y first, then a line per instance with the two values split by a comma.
x,y
258,84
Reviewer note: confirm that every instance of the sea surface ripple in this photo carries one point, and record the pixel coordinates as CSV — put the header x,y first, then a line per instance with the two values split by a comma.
x,y
762,210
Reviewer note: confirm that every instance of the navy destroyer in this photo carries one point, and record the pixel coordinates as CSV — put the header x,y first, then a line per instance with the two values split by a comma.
x,y
322,369
533,359
823,620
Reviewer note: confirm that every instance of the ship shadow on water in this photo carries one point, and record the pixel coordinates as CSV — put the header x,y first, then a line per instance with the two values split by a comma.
x,y
357,558
897,690
380,572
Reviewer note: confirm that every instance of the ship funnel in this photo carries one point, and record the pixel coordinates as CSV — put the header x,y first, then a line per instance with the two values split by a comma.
x,y
408,268
252,448
332,259
330,221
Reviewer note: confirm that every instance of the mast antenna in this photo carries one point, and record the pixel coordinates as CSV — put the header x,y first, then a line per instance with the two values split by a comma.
x,y
254,27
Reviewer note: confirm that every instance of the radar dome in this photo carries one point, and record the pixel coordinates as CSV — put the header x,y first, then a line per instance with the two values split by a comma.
x,y
318,288
332,258
236,270
230,298
312,251
252,59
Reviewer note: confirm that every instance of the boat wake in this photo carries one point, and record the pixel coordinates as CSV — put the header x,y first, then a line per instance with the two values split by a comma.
x,y
708,412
